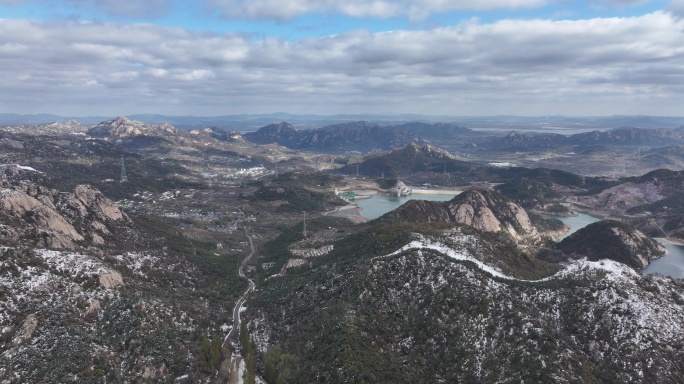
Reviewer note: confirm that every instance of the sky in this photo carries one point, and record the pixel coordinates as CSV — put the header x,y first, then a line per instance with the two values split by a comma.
x,y
430,57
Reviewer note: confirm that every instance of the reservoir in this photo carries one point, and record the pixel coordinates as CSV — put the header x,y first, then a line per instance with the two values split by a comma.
x,y
670,264
378,205
576,222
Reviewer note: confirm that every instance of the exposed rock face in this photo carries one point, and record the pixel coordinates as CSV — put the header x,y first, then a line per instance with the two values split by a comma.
x,y
401,189
614,240
63,234
94,307
122,127
218,134
485,210
95,202
45,217
111,279
429,150
17,203
623,196
491,212
27,329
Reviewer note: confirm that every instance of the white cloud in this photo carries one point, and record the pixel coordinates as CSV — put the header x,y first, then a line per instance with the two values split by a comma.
x,y
277,9
596,66
676,7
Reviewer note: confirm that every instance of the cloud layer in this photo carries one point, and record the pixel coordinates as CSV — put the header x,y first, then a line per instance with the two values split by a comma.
x,y
277,9
597,66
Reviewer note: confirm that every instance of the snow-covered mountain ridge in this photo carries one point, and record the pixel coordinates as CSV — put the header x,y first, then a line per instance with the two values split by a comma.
x,y
441,308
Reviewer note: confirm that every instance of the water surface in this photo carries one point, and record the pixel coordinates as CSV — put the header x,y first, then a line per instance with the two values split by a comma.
x,y
670,264
577,222
378,205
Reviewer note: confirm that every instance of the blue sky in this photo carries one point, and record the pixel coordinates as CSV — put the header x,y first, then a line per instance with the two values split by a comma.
x,y
194,15
457,57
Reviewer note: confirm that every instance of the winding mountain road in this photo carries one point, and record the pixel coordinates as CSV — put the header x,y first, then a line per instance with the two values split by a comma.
x,y
236,311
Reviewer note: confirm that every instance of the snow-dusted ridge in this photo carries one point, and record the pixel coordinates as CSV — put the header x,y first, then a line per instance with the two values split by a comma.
x,y
22,167
614,270
478,318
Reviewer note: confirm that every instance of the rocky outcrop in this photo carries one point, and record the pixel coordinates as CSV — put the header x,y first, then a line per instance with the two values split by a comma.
x,y
27,329
613,240
485,210
489,211
93,201
122,127
218,134
414,150
62,233
400,189
17,203
111,280
41,216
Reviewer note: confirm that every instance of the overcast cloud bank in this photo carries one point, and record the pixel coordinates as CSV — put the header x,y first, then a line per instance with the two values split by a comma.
x,y
576,67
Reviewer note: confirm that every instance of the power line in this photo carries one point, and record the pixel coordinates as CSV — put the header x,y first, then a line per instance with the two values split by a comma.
x,y
304,224
124,176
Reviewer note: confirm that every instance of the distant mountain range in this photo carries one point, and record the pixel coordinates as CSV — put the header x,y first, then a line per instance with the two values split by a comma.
x,y
356,136
251,122
652,137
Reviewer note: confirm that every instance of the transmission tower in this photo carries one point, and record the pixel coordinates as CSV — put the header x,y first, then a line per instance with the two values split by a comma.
x,y
124,176
304,224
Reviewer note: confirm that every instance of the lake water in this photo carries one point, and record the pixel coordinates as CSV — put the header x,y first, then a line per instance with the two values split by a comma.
x,y
378,205
577,222
670,264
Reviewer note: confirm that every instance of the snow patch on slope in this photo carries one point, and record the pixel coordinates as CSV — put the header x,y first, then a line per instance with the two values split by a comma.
x,y
613,270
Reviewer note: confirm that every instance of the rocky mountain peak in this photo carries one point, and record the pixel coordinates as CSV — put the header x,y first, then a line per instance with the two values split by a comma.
x,y
610,239
429,150
282,133
279,128
489,211
482,209
121,127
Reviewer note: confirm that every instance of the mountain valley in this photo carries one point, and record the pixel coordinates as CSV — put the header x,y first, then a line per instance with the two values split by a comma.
x,y
128,251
